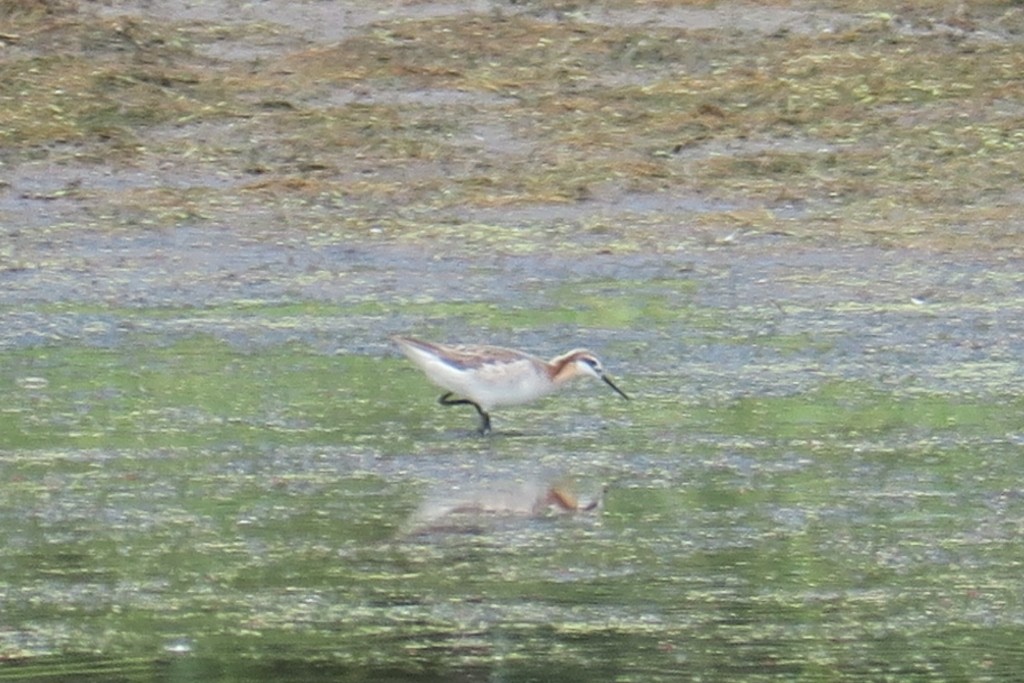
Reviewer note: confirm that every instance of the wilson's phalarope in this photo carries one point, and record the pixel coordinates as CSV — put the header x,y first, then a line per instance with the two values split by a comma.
x,y
491,376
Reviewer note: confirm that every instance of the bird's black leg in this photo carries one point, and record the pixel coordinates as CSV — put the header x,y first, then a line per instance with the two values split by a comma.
x,y
485,422
447,400
485,419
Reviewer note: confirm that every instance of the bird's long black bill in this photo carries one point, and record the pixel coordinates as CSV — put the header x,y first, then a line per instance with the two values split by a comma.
x,y
610,383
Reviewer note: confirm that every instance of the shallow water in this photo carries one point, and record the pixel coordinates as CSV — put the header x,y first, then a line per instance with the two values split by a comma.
x,y
818,477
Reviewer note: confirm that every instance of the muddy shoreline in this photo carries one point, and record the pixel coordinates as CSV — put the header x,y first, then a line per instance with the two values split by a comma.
x,y
310,124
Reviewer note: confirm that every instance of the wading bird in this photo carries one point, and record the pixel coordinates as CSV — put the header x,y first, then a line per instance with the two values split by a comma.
x,y
487,377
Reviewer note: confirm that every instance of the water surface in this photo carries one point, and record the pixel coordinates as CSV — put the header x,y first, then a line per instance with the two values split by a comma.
x,y
811,483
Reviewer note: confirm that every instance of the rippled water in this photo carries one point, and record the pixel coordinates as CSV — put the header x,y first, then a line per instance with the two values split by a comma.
x,y
818,479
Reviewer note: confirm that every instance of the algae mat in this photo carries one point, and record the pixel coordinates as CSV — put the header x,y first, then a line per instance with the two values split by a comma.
x,y
823,483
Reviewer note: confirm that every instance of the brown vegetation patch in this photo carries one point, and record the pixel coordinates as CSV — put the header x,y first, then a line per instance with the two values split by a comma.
x,y
864,118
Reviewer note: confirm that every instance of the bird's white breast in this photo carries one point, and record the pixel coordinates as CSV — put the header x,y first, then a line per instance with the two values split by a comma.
x,y
488,384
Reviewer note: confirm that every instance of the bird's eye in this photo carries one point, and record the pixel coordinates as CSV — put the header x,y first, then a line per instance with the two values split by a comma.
x,y
592,362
